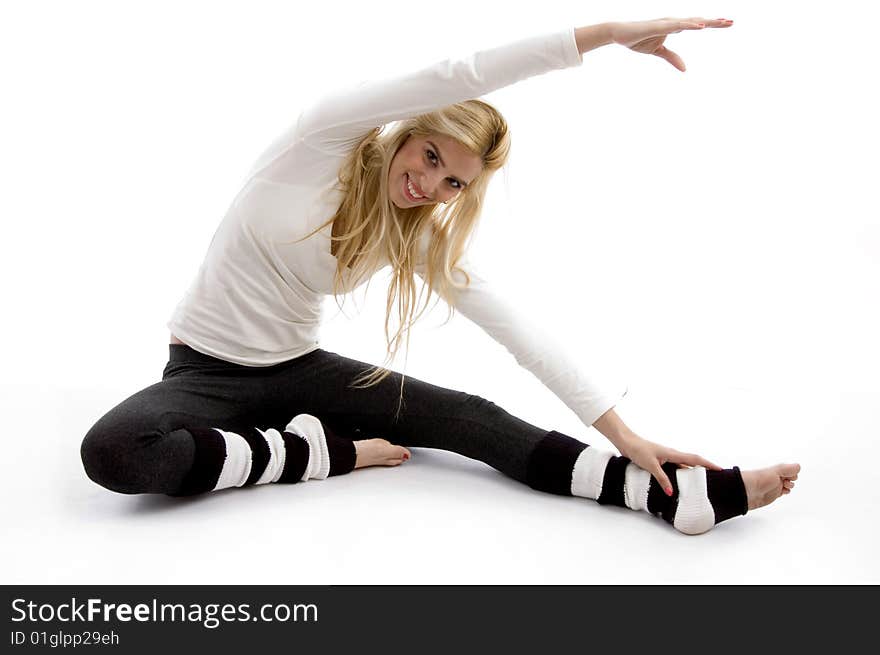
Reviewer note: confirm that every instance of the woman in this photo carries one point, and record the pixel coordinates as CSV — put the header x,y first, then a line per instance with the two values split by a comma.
x,y
248,396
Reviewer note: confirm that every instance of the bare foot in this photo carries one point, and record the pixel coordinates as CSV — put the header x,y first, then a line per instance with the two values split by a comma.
x,y
378,452
763,486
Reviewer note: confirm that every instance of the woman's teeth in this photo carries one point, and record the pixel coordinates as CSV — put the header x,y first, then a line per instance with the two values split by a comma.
x,y
412,190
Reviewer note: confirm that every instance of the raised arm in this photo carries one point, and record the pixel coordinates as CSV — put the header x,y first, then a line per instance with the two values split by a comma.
x,y
336,121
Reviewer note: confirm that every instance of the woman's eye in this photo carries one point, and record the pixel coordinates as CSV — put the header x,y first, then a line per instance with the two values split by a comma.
x,y
432,157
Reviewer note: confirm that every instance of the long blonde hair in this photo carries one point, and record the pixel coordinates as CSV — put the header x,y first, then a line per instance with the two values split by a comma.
x,y
373,231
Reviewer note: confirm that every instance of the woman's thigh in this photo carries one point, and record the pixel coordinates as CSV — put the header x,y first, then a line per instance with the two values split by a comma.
x,y
430,416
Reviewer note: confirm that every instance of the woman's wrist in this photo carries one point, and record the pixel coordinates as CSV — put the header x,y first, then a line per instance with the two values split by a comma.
x,y
614,429
591,37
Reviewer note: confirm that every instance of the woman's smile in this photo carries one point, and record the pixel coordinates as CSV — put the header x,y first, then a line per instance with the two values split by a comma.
x,y
409,187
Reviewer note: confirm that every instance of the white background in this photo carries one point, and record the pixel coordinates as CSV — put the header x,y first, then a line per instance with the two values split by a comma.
x,y
709,239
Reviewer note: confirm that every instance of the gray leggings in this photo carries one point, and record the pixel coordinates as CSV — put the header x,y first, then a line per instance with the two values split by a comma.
x,y
142,445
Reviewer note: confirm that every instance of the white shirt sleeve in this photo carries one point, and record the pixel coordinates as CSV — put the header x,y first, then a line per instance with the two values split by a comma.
x,y
532,347
337,121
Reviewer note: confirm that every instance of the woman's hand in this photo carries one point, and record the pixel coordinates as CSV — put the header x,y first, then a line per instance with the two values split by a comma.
x,y
647,36
651,456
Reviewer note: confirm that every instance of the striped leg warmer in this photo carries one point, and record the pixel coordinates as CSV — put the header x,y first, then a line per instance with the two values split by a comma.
x,y
305,450
701,498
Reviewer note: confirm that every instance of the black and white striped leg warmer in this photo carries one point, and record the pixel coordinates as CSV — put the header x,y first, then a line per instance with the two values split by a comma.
x,y
701,498
305,450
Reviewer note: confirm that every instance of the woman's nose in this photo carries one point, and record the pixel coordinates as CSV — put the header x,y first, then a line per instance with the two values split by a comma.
x,y
431,186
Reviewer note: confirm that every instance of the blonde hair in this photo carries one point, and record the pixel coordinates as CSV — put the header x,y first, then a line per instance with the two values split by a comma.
x,y
373,231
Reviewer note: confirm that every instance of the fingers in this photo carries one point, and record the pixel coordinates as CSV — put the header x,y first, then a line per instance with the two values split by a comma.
x,y
665,53
689,459
694,460
675,26
701,23
660,476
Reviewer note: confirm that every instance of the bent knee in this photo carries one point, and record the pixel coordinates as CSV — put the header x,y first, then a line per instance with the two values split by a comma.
x,y
106,461
129,464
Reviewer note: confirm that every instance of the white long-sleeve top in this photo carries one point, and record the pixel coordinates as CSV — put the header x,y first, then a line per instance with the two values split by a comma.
x,y
257,302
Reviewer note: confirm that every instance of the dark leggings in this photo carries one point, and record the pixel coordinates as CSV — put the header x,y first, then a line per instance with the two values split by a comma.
x,y
142,445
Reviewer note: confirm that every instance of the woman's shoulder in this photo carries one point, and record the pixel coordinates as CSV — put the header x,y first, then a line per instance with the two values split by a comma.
x,y
293,161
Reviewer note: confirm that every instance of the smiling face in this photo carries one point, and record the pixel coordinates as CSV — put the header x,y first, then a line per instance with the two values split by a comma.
x,y
437,166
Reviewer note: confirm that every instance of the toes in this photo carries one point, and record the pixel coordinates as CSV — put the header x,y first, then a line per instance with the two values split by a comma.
x,y
398,455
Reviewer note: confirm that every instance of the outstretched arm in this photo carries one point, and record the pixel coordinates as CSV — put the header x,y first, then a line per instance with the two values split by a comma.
x,y
338,120
335,122
509,322
540,353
